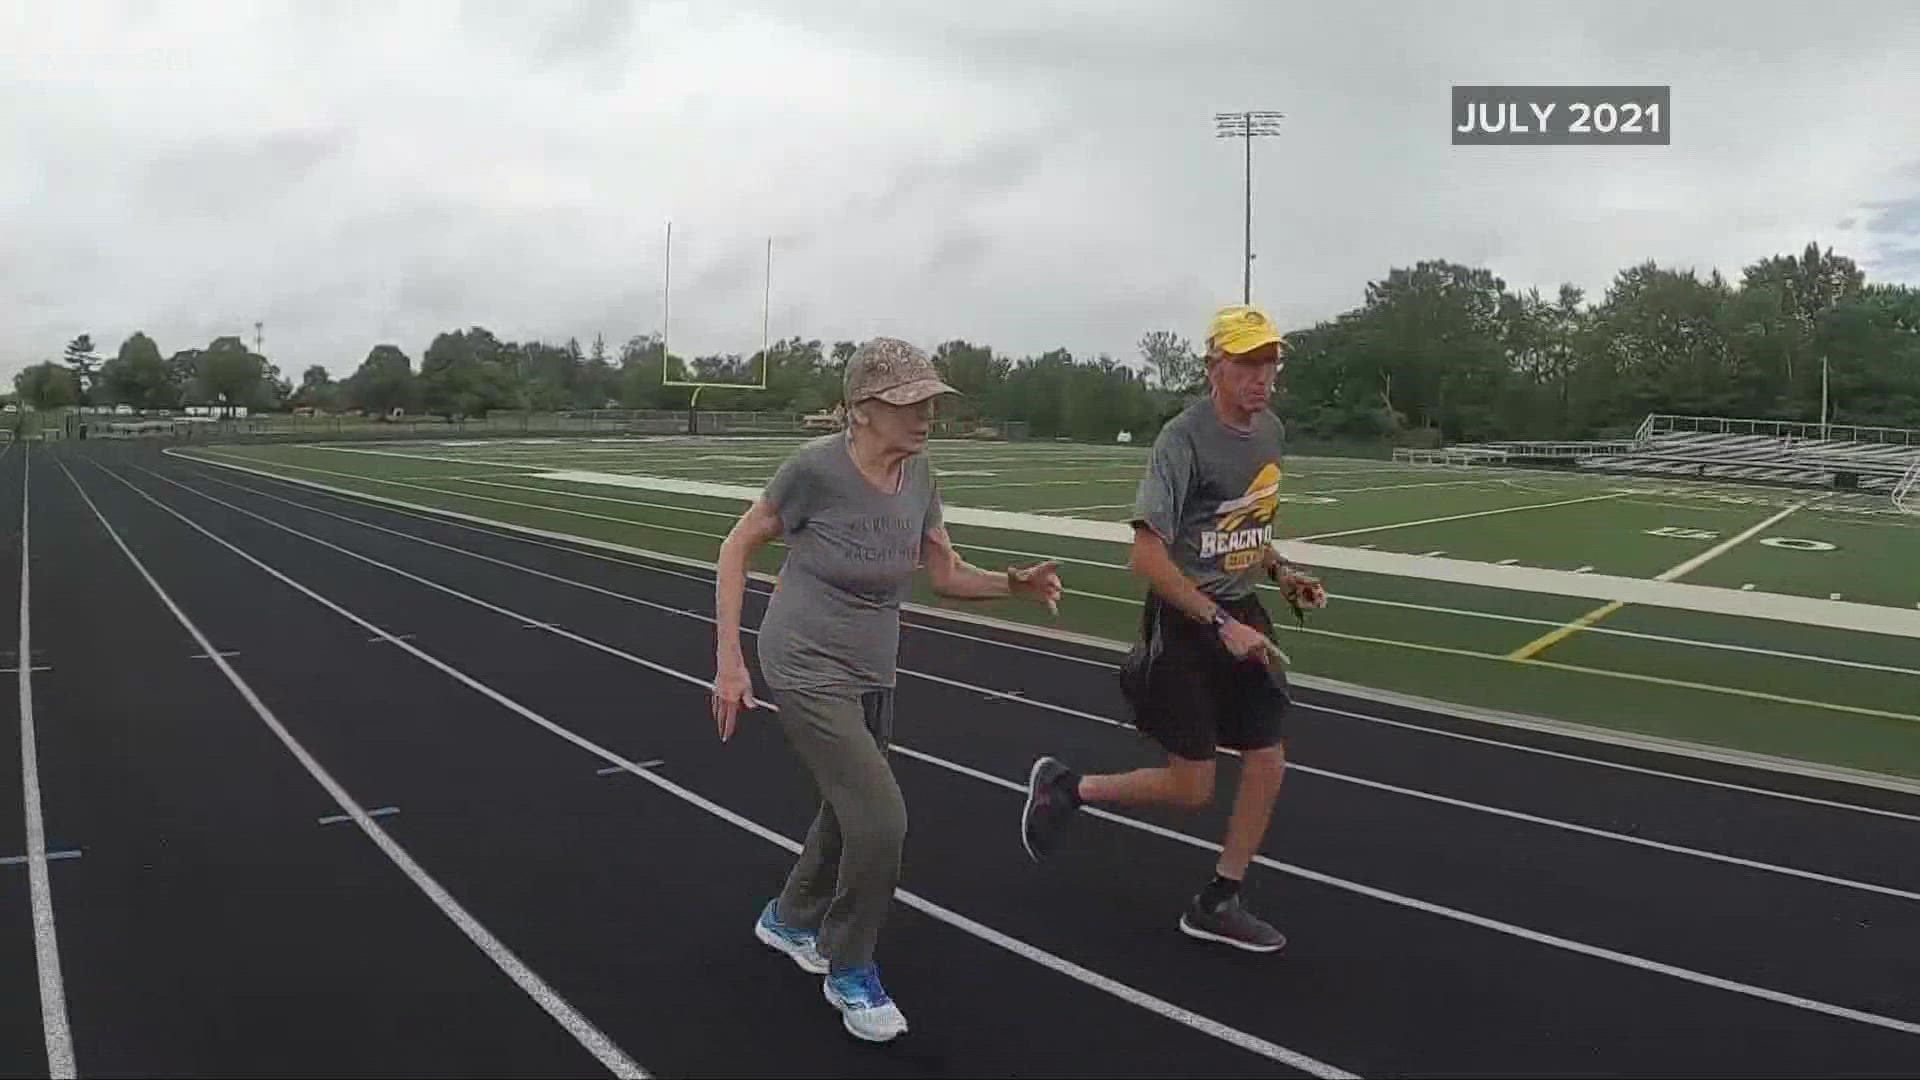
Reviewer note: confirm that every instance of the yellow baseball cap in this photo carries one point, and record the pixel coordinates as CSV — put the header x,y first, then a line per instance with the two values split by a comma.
x,y
1241,328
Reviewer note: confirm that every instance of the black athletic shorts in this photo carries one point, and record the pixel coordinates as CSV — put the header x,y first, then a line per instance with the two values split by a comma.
x,y
1190,695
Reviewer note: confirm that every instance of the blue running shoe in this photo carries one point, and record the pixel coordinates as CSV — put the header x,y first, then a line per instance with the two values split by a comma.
x,y
801,946
864,1005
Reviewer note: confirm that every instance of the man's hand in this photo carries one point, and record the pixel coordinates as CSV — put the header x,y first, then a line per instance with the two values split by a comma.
x,y
1303,590
1243,641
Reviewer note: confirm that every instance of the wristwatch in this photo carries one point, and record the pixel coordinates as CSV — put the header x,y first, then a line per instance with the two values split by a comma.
x,y
1220,618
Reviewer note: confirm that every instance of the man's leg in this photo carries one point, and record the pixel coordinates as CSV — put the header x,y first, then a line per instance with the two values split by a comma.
x,y
1179,717
1219,913
1181,782
1260,774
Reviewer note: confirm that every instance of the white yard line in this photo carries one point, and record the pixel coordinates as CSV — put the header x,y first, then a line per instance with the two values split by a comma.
x,y
1676,572
1554,637
1462,517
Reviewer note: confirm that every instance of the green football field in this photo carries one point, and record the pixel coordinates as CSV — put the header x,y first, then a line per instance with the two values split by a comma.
x,y
1840,695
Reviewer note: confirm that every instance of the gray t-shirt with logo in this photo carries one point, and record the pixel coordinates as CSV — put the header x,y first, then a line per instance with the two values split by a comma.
x,y
1212,493
834,620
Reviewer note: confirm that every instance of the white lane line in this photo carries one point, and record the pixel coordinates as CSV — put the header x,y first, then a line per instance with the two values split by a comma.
x,y
584,1032
1595,951
1497,811
46,939
1032,953
1525,933
1371,718
584,547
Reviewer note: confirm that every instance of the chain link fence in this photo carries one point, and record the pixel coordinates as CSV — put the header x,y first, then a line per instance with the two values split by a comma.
x,y
585,423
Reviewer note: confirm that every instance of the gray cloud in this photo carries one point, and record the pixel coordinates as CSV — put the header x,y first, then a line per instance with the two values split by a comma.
x,y
1899,217
1023,174
226,176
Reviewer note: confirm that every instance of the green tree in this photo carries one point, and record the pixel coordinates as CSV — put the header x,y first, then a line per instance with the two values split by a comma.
x,y
84,363
598,383
318,391
137,376
233,375
47,385
383,382
1171,359
466,373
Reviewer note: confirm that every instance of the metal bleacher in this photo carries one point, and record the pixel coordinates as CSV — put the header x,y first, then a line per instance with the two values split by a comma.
x,y
1845,457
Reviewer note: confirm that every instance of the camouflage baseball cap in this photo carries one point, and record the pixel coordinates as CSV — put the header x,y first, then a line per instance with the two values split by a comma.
x,y
893,371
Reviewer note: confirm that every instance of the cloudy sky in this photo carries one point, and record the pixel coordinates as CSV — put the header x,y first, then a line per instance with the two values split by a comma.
x,y
1025,174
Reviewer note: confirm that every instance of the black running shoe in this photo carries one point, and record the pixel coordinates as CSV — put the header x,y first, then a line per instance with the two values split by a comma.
x,y
1051,802
1231,924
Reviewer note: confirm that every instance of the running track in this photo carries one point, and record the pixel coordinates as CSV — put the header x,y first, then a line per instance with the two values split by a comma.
x,y
546,900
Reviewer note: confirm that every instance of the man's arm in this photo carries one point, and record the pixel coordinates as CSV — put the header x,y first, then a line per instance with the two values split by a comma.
x,y
1151,560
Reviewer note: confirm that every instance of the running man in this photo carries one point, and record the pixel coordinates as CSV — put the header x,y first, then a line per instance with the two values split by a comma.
x,y
1205,673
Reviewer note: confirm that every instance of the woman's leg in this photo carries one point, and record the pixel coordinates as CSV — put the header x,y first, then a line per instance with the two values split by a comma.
x,y
852,857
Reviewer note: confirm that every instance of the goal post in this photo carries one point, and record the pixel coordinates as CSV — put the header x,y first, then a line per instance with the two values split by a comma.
x,y
680,374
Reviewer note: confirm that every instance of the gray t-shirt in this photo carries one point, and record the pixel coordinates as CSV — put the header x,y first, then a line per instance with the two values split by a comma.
x,y
834,620
1212,493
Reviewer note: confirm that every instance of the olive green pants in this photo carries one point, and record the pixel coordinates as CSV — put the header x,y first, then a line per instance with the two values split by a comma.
x,y
843,883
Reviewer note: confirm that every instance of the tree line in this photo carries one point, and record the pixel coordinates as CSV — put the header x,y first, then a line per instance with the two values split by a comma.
x,y
1436,352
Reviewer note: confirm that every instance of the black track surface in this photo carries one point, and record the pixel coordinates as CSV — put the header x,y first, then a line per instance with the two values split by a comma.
x,y
214,926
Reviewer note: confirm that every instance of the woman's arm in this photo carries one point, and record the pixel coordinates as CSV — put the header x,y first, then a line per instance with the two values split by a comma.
x,y
733,686
953,577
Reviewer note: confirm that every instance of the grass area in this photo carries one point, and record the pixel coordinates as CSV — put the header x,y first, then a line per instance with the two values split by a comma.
x,y
1831,696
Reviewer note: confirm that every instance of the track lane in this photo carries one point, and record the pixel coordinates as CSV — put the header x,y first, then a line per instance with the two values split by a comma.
x,y
612,891
659,639
214,927
1597,767
22,1038
1829,944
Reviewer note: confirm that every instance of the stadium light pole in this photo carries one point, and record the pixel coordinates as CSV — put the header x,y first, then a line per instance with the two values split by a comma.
x,y
1247,126
1823,397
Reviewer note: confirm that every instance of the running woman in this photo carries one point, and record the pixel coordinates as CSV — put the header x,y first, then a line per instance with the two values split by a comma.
x,y
859,512
1205,673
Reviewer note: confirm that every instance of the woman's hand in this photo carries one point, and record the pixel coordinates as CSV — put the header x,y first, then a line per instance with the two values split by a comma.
x,y
732,691
1039,583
